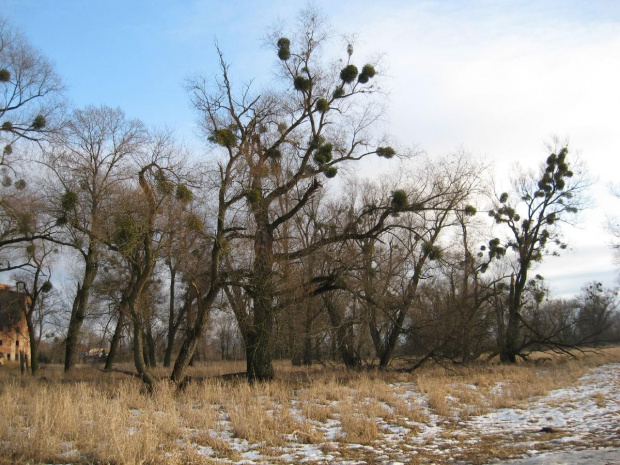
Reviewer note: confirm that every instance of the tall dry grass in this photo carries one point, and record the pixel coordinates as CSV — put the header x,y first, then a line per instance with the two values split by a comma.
x,y
93,417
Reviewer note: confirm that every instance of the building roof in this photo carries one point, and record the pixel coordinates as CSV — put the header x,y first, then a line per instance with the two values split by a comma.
x,y
12,304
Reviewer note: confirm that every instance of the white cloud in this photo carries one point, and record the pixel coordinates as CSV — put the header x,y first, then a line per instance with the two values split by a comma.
x,y
500,82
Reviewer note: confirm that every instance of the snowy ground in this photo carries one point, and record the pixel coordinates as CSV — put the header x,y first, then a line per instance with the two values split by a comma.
x,y
603,456
573,421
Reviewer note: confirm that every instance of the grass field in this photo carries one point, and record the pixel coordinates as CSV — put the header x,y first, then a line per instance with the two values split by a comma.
x,y
439,414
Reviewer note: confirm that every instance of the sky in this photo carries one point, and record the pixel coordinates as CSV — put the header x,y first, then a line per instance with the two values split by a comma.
x,y
496,78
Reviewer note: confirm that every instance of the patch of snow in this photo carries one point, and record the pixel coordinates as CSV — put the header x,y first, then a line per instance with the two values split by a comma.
x,y
603,456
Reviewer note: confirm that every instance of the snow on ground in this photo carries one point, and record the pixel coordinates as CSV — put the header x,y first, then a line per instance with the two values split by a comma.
x,y
573,420
587,413
603,456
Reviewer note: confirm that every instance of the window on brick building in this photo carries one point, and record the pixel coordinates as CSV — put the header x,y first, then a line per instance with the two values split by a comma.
x,y
17,343
8,357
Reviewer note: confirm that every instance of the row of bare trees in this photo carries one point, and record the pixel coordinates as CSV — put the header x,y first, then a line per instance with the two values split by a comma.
x,y
155,244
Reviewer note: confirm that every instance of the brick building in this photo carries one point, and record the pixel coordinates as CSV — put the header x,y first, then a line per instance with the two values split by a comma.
x,y
13,327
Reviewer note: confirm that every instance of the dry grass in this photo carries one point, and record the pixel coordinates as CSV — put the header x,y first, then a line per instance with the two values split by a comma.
x,y
103,418
459,392
359,425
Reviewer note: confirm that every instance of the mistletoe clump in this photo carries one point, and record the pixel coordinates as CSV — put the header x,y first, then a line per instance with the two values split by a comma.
x,y
184,194
273,153
39,122
193,223
399,200
432,251
322,105
339,92
368,72
386,152
253,196
553,178
224,137
126,233
470,210
323,154
302,83
284,48
163,186
348,73
68,201
316,142
330,171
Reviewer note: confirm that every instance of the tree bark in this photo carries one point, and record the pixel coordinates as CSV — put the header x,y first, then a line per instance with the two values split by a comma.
x,y
308,355
116,337
34,346
259,336
510,350
344,340
258,343
150,345
188,348
78,310
138,356
392,339
172,328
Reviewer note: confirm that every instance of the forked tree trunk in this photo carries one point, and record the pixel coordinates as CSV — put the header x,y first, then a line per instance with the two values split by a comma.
x,y
344,338
392,340
138,356
78,310
188,348
116,337
511,349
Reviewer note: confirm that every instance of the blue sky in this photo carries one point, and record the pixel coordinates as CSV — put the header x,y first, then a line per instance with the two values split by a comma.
x,y
495,78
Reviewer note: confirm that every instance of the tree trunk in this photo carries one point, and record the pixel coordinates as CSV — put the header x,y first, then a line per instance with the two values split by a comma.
x,y
259,337
116,337
392,340
172,328
396,325
78,310
145,351
188,348
169,346
138,356
34,346
150,346
308,355
258,343
344,340
510,350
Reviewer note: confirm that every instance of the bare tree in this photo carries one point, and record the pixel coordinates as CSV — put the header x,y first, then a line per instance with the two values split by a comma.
x,y
88,162
597,309
139,231
531,214
31,110
284,143
35,284
391,266
30,92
